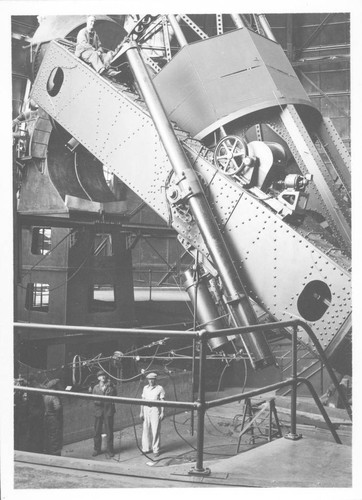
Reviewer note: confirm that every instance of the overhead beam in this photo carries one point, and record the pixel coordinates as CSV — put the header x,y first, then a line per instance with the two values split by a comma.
x,y
290,37
315,33
322,94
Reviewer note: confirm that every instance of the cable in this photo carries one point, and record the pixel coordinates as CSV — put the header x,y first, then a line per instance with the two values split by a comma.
x,y
174,414
220,378
136,437
48,253
214,426
178,433
74,366
134,428
136,376
74,274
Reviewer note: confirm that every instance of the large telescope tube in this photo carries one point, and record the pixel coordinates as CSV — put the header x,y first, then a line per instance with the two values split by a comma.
x,y
207,313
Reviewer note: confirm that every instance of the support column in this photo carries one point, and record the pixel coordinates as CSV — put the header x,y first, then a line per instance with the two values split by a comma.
x,y
312,160
293,402
314,165
239,23
177,30
199,469
266,28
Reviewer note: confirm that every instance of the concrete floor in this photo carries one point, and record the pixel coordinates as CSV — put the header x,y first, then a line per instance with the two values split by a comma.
x,y
220,441
177,449
306,462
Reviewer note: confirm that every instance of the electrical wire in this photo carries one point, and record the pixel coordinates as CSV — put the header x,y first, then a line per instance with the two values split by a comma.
x,y
175,427
220,378
47,254
136,376
74,367
136,437
74,274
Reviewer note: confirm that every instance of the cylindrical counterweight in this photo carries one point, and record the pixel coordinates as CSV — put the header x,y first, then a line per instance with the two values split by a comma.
x,y
207,313
237,300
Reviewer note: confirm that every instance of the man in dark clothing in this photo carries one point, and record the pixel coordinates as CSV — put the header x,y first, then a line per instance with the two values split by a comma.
x,y
21,415
103,412
35,419
89,49
53,420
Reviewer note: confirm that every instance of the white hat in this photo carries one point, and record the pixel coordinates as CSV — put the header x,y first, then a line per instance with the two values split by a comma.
x,y
151,375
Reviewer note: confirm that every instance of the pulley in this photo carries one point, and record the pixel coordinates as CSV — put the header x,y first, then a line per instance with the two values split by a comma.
x,y
231,154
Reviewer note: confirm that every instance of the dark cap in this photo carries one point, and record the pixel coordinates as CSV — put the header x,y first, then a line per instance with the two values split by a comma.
x,y
101,372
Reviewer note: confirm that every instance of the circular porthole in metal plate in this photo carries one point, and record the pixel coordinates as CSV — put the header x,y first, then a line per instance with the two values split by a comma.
x,y
55,81
314,300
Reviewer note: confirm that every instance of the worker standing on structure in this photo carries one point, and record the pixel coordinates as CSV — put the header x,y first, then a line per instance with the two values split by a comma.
x,y
104,412
152,416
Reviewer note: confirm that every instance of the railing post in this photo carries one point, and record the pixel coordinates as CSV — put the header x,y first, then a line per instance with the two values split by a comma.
x,y
322,380
199,469
193,384
293,403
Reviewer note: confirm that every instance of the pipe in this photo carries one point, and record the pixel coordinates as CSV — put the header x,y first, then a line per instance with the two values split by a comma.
x,y
293,397
236,296
193,384
111,399
239,23
331,373
241,330
193,381
321,408
244,395
207,313
177,30
266,28
120,331
199,468
285,324
273,387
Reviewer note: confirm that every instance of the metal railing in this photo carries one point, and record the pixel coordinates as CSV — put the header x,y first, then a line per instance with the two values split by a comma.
x,y
201,405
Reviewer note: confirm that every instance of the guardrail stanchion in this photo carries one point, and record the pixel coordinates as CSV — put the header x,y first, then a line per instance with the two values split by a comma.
x,y
199,469
293,402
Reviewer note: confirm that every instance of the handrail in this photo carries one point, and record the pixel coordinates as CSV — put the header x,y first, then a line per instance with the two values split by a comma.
x,y
283,324
201,405
191,405
245,395
96,329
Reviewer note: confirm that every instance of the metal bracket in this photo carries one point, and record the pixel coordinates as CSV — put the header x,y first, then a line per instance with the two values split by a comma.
x,y
203,472
293,437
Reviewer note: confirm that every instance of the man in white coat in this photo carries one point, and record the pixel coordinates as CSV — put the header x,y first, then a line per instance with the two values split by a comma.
x,y
152,416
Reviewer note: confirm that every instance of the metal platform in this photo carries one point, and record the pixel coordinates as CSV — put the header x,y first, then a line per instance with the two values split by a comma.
x,y
282,463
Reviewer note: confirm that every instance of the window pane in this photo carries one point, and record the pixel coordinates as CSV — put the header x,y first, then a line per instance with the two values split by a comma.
x,y
37,297
41,240
102,298
103,245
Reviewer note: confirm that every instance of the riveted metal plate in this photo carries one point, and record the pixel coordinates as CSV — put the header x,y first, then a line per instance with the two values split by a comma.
x,y
109,124
275,262
273,259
